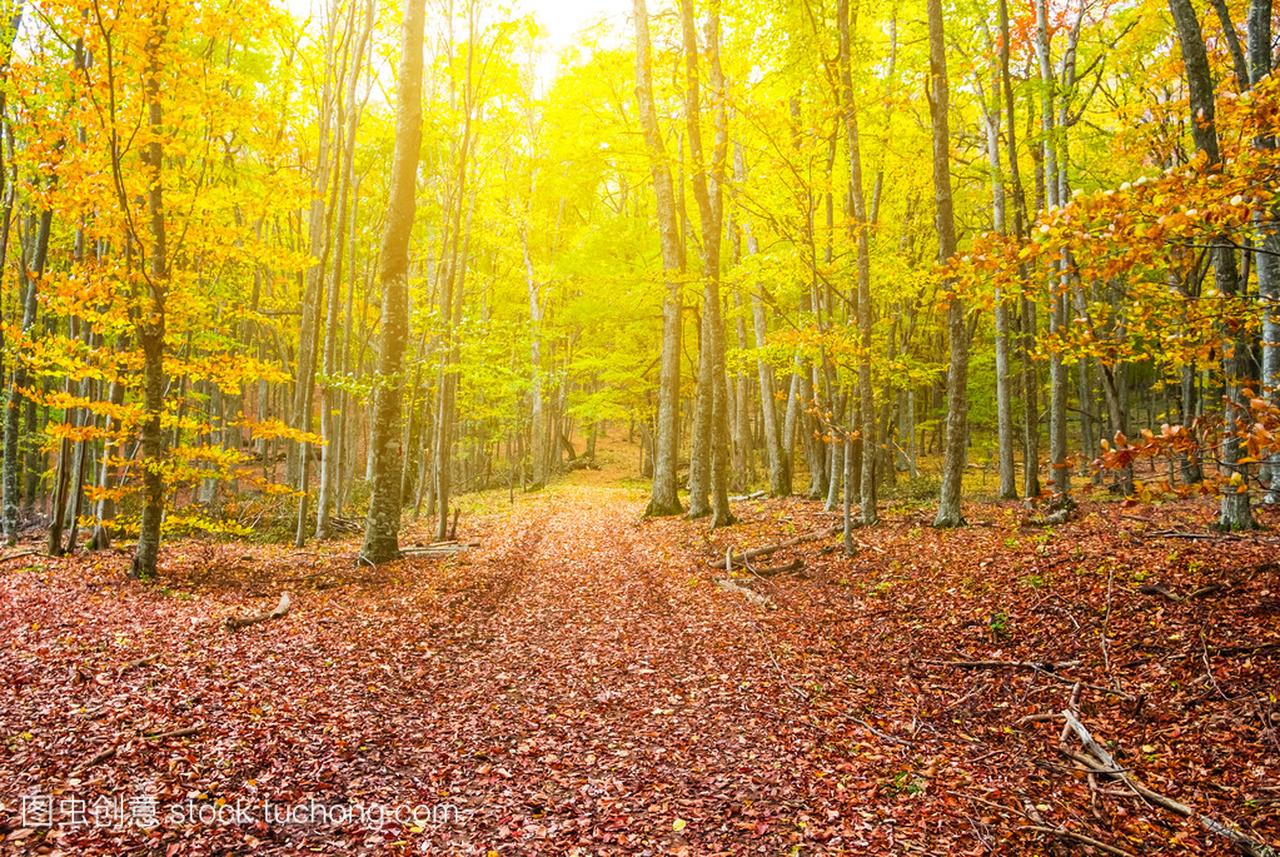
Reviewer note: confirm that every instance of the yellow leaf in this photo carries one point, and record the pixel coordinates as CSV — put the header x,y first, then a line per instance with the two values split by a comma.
x,y
678,824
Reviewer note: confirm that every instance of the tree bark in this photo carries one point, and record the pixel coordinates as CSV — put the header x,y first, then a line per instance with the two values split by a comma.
x,y
1234,512
866,424
382,527
953,454
713,391
150,323
664,497
330,422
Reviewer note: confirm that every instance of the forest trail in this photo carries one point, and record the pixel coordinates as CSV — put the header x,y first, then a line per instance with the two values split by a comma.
x,y
579,682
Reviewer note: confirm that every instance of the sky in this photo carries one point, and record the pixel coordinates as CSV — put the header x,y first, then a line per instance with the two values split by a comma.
x,y
563,20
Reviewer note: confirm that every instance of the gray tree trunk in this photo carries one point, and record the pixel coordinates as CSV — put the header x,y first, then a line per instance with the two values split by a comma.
x,y
1234,512
664,497
953,453
1004,405
330,421
382,527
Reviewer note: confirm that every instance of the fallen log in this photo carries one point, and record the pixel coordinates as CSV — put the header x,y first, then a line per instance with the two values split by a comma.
x,y
754,495
1100,762
235,623
732,559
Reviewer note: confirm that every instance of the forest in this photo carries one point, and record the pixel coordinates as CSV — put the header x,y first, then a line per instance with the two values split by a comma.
x,y
667,427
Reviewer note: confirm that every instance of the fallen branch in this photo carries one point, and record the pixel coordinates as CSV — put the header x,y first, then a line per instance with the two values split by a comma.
x,y
1206,537
732,559
20,554
1046,668
446,548
185,732
110,751
1039,825
1103,763
1064,833
1247,650
883,736
1038,666
775,570
754,495
752,596
235,623
1161,590
99,758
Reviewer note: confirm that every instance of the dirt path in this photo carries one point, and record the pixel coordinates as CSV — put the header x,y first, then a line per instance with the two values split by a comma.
x,y
613,702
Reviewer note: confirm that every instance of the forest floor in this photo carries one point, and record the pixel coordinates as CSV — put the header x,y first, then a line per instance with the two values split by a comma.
x,y
579,684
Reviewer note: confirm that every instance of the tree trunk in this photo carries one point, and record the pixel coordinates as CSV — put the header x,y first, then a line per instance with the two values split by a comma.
x,y
1004,407
32,270
382,527
664,498
713,398
1268,256
1234,512
330,422
318,223
953,454
151,325
862,296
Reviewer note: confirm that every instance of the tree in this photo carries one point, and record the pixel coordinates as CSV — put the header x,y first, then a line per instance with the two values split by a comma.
x,y
664,498
711,420
953,453
382,526
1234,513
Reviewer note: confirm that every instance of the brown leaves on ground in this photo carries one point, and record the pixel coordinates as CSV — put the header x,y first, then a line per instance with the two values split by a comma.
x,y
580,683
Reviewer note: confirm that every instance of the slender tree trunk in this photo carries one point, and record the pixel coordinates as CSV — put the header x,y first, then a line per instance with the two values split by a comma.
x,y
1234,513
779,477
707,190
150,325
1061,471
953,454
866,424
1268,256
330,422
1004,405
318,223
663,498
31,271
382,527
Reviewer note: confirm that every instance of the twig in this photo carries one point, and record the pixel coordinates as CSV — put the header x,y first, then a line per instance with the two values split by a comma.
x,y
1103,763
184,732
1040,666
1079,837
1045,669
235,623
879,734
